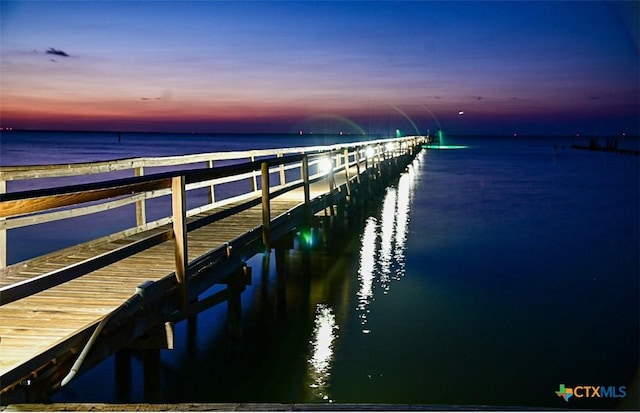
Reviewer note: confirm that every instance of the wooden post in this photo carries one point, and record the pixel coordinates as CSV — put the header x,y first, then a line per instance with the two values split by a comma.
x,y
254,180
281,254
332,183
179,205
3,231
366,160
346,171
141,216
212,194
307,188
266,206
236,284
152,373
357,159
305,179
282,175
281,281
123,375
234,315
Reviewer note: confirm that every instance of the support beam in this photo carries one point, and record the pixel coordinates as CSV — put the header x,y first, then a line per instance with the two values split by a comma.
x,y
266,207
346,171
152,375
212,194
254,180
235,286
123,375
283,178
3,232
179,206
357,159
307,189
141,214
332,184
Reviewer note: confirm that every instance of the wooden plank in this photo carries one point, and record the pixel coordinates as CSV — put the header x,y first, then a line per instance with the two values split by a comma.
x,y
58,276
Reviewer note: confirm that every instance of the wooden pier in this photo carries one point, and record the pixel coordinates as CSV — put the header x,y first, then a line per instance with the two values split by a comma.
x,y
63,312
611,145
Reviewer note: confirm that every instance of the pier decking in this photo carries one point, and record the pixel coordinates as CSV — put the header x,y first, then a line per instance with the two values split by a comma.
x,y
67,310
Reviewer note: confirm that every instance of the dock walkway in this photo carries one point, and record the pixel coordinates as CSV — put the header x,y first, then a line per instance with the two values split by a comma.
x,y
87,301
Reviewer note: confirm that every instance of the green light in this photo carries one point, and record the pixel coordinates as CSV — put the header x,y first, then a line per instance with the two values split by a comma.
x,y
306,236
398,133
444,147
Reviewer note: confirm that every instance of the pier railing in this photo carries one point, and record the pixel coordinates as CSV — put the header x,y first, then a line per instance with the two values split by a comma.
x,y
266,173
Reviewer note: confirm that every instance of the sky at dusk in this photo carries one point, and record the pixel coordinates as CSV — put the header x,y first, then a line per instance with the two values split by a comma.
x,y
262,66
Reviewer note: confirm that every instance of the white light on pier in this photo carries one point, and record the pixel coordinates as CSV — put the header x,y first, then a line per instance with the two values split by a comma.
x,y
391,147
369,152
324,166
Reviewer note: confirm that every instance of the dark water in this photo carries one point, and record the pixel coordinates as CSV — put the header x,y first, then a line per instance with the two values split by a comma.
x,y
487,275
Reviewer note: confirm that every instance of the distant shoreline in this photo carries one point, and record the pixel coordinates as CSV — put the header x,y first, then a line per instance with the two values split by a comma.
x,y
461,135
617,150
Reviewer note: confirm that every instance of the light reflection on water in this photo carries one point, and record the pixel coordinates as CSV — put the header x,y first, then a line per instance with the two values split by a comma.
x,y
381,261
405,192
324,334
367,267
386,237
383,244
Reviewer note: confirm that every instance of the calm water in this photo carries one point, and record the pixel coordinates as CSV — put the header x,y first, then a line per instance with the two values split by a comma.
x,y
487,275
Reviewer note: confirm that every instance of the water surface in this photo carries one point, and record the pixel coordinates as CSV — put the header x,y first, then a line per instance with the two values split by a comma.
x,y
487,275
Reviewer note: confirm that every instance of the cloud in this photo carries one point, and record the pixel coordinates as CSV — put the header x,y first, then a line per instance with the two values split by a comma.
x,y
56,52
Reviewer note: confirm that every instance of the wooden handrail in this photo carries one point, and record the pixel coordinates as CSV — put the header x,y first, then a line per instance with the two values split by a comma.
x,y
33,204
26,202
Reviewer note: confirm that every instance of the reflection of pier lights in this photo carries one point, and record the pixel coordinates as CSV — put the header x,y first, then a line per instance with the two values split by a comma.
x,y
324,335
383,245
387,225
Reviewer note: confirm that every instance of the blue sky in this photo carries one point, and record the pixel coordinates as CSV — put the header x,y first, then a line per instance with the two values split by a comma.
x,y
262,66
